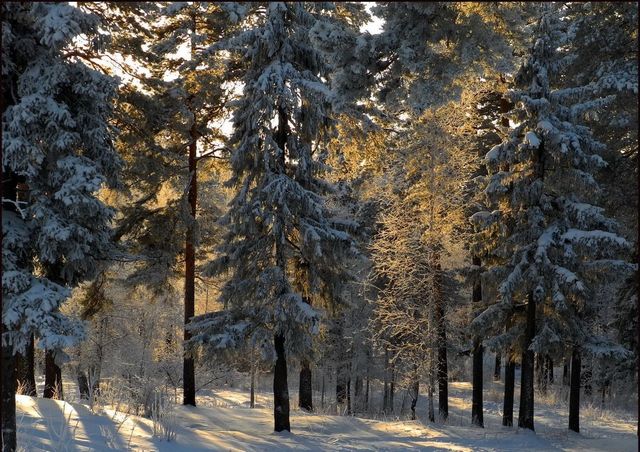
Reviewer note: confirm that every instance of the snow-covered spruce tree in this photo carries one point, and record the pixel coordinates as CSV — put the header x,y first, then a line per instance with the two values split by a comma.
x,y
486,126
56,136
555,240
605,44
278,213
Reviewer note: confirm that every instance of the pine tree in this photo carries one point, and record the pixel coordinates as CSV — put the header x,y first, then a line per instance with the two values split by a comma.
x,y
169,114
200,99
278,213
553,237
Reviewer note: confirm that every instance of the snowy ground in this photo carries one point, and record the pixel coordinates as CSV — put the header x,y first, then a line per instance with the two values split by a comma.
x,y
224,422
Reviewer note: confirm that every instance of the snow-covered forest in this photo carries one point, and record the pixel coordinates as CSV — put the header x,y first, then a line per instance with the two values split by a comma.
x,y
319,226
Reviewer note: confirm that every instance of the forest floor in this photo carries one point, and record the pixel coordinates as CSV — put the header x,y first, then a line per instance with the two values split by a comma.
x,y
223,421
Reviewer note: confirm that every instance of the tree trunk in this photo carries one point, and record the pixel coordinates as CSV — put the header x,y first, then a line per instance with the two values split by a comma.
x,y
366,395
305,399
403,404
443,383
52,377
25,370
509,387
392,386
343,386
545,373
341,389
549,370
525,416
252,396
415,391
95,374
83,384
443,374
385,394
305,390
497,368
322,394
349,412
188,367
358,387
574,391
357,394
431,411
8,429
565,372
280,387
477,417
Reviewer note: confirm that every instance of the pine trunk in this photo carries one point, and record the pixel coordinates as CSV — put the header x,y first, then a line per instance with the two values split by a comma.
x,y
385,397
385,394
366,396
414,395
25,370
509,387
83,384
477,414
574,391
497,368
443,374
280,387
252,395
305,399
357,394
509,382
477,417
525,416
565,372
52,377
545,373
431,411
392,386
95,373
341,389
358,387
343,386
188,367
549,370
8,429
349,396
323,388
